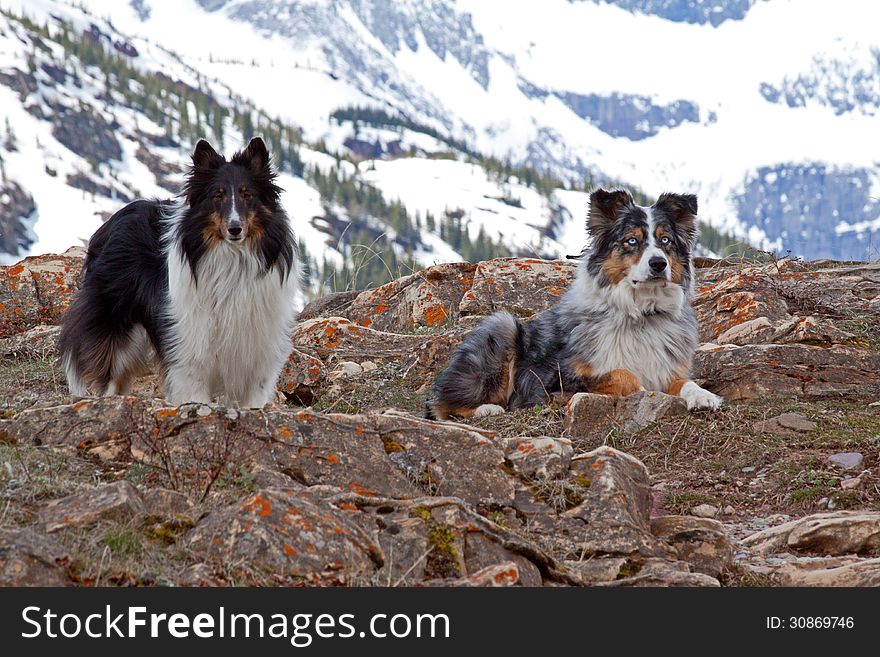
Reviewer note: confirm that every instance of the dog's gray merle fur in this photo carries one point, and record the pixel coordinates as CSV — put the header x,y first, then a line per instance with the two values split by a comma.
x,y
626,317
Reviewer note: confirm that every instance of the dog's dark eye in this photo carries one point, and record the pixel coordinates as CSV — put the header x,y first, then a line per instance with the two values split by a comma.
x,y
219,194
664,240
245,193
632,241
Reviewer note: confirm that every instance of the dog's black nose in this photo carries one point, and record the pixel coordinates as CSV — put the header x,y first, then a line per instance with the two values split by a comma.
x,y
657,264
235,230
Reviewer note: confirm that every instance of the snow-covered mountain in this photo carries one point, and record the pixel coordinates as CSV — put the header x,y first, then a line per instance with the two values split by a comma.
x,y
766,109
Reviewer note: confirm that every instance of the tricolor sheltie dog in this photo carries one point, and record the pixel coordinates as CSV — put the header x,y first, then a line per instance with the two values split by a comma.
x,y
205,282
624,325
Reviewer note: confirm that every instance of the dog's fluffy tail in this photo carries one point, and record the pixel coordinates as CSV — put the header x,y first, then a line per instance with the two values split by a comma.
x,y
481,370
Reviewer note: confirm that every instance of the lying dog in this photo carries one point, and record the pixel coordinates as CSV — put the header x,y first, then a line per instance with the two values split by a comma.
x,y
625,324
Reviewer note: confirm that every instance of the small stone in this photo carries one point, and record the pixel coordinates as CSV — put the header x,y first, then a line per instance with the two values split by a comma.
x,y
347,368
748,468
118,501
851,483
729,510
203,410
796,422
847,460
704,511
369,366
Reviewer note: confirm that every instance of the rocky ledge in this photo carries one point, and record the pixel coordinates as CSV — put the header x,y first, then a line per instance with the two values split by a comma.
x,y
343,482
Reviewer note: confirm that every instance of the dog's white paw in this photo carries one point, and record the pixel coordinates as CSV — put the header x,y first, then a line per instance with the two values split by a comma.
x,y
698,398
488,409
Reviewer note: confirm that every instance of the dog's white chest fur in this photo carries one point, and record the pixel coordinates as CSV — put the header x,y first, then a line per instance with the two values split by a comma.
x,y
229,328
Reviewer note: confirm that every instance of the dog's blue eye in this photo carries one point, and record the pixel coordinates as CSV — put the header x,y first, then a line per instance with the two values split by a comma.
x,y
664,240
632,241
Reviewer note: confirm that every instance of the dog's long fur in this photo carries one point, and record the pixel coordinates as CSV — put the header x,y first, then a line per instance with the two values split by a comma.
x,y
624,325
205,282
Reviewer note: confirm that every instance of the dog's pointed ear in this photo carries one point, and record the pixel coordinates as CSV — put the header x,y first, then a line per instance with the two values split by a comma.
x,y
682,212
255,154
205,157
605,208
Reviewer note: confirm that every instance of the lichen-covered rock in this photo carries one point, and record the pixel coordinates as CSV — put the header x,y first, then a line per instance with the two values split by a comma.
x,y
592,416
502,574
854,572
40,342
663,572
100,426
279,531
701,542
119,501
841,532
538,458
522,286
30,559
754,371
337,338
301,377
38,290
428,298
614,516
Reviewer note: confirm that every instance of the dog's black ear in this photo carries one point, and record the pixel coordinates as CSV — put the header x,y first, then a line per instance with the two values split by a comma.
x,y
205,157
681,209
605,209
255,154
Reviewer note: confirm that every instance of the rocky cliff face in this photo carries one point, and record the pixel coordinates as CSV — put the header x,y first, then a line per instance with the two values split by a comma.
x,y
343,482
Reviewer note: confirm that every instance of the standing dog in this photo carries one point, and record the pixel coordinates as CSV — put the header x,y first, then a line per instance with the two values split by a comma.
x,y
625,324
207,282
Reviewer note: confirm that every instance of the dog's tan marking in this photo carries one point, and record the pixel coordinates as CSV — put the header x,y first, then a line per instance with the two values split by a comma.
x,y
617,265
618,383
582,369
675,387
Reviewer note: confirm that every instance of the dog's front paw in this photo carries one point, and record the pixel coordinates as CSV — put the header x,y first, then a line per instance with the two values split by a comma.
x,y
698,398
488,409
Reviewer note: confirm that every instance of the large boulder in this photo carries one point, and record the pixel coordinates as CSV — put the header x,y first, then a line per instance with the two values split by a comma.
x,y
522,286
754,371
38,290
280,532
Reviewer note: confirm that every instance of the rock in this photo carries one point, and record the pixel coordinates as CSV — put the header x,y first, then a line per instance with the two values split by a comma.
x,y
853,483
729,510
97,426
841,532
704,511
663,572
614,516
431,538
38,343
787,423
701,542
522,286
502,574
865,572
369,366
589,415
754,371
30,559
847,460
751,305
796,422
38,290
428,298
347,368
538,458
118,502
420,356
333,303
277,531
597,569
447,459
301,377
164,503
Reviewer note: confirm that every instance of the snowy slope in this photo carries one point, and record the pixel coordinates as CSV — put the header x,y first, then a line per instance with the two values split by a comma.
x,y
511,92
777,141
